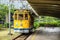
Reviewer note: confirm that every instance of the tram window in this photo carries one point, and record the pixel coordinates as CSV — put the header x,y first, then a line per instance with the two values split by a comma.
x,y
15,16
26,16
20,17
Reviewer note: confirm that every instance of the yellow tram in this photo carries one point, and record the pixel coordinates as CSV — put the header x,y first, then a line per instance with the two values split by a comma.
x,y
23,21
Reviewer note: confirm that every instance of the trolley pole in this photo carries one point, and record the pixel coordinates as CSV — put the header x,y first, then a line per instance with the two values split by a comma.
x,y
9,20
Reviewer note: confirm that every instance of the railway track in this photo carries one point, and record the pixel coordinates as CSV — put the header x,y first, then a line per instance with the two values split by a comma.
x,y
22,36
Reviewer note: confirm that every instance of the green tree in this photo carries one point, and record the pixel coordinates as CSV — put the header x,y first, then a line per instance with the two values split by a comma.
x,y
4,10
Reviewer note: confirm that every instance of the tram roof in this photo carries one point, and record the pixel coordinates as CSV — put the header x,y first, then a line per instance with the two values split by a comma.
x,y
21,11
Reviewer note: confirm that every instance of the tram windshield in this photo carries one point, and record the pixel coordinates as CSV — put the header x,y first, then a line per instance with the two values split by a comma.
x,y
26,16
20,17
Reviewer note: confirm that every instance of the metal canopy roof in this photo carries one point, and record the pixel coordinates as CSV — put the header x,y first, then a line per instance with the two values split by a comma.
x,y
45,7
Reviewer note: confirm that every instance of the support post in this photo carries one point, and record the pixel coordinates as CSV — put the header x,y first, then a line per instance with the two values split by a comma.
x,y
39,18
9,21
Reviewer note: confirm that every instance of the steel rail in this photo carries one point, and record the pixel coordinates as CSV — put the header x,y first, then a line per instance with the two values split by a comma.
x,y
22,36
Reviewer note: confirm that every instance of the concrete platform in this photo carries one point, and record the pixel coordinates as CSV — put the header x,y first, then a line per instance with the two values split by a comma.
x,y
41,34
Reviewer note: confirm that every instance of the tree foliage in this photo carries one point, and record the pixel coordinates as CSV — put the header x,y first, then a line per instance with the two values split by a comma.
x,y
3,11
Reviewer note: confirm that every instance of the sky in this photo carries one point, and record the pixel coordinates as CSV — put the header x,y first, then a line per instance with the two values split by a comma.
x,y
17,4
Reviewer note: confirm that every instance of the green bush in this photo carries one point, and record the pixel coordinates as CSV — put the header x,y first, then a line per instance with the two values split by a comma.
x,y
42,24
36,24
1,25
6,25
47,21
58,23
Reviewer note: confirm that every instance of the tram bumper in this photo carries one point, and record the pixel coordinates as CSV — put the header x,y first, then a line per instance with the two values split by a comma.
x,y
22,31
26,30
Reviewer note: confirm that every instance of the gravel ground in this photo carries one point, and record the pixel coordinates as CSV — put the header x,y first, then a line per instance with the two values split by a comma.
x,y
4,34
